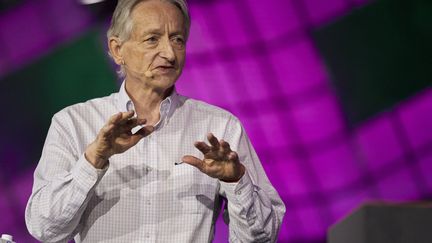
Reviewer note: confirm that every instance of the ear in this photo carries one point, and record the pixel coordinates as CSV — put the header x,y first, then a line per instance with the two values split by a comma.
x,y
114,46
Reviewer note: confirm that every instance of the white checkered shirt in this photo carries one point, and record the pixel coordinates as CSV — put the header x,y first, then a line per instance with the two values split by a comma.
x,y
142,196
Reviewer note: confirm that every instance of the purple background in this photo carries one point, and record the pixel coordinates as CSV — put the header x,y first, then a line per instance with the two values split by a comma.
x,y
258,60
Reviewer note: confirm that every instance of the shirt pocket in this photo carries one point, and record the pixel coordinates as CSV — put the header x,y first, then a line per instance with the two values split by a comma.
x,y
195,192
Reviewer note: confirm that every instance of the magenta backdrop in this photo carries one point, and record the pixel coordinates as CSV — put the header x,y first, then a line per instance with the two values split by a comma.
x,y
258,60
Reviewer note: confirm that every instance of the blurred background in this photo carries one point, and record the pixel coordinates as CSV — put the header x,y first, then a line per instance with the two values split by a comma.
x,y
335,95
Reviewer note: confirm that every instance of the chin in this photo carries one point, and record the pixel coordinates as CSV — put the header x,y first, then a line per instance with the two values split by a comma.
x,y
164,82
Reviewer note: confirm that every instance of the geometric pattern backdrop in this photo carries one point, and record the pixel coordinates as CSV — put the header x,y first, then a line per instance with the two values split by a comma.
x,y
378,55
269,63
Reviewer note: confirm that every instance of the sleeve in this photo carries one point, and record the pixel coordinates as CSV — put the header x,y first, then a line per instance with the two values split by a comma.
x,y
63,184
255,210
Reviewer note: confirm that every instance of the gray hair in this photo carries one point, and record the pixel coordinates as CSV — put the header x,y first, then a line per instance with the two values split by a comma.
x,y
121,22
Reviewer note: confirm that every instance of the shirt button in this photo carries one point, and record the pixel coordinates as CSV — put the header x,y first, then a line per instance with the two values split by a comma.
x,y
148,202
238,192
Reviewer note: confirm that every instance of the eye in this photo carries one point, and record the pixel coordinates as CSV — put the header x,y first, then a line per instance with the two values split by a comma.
x,y
178,41
151,40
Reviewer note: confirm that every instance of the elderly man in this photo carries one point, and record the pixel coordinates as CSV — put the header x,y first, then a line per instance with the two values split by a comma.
x,y
134,166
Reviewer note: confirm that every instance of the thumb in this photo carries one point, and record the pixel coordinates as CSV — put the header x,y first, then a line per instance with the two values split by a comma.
x,y
145,131
194,161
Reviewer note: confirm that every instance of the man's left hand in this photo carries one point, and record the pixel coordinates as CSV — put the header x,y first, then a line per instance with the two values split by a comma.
x,y
219,160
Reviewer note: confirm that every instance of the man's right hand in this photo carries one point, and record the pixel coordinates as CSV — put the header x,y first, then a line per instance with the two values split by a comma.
x,y
115,138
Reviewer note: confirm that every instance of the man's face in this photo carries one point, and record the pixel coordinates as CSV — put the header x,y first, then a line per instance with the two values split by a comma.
x,y
157,44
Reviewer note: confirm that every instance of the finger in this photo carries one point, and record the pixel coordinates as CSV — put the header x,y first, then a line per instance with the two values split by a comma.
x,y
203,147
194,161
126,116
233,156
133,122
145,131
114,118
135,138
213,141
225,146
141,122
140,134
107,130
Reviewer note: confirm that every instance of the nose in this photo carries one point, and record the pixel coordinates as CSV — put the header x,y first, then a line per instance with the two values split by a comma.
x,y
167,51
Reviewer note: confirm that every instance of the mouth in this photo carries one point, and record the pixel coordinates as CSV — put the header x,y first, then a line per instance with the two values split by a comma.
x,y
164,69
164,66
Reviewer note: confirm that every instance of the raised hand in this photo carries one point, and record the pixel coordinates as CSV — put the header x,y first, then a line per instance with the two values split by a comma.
x,y
116,137
219,160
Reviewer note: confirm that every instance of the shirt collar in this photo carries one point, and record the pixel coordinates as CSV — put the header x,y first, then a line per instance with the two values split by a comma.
x,y
166,109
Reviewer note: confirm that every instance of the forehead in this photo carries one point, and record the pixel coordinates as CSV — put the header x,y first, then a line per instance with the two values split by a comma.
x,y
156,14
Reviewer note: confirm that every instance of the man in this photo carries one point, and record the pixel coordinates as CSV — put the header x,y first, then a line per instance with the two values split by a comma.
x,y
134,167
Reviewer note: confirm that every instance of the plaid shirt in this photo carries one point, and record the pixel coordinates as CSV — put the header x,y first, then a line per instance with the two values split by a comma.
x,y
142,196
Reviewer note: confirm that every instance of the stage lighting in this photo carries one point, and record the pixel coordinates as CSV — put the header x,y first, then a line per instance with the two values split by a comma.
x,y
86,2
101,9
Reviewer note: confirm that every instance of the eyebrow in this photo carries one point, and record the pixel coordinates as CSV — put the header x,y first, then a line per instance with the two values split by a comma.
x,y
177,33
151,31
158,32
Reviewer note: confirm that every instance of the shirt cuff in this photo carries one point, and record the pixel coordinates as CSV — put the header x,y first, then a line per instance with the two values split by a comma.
x,y
86,175
238,191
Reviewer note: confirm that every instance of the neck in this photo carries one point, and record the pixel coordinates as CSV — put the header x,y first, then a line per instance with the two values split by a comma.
x,y
147,100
